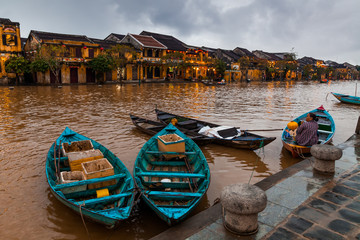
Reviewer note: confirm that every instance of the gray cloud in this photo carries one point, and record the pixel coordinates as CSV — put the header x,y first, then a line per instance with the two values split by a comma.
x,y
324,29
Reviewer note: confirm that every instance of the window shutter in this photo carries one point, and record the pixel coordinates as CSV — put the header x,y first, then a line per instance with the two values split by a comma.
x,y
4,39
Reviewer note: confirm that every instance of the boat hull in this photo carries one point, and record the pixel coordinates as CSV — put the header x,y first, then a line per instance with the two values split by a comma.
x,y
247,140
347,98
171,187
85,201
326,132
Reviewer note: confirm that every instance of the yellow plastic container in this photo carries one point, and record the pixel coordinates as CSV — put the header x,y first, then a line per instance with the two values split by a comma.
x,y
102,193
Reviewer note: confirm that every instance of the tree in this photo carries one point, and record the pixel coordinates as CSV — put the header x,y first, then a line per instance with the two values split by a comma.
x,y
101,64
39,65
220,67
120,56
174,60
52,56
307,69
18,65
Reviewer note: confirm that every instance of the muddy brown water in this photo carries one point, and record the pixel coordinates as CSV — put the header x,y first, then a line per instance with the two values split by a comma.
x,y
33,117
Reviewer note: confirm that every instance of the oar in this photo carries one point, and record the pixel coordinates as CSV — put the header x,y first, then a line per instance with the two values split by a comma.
x,y
262,130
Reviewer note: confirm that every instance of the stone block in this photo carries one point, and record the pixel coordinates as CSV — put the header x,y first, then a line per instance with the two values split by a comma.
x,y
350,215
345,191
298,225
355,205
335,198
322,205
320,233
311,214
282,233
326,152
341,226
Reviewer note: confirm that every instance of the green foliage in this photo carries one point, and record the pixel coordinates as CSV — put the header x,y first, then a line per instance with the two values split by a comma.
x,y
220,67
39,65
52,56
120,55
102,63
16,64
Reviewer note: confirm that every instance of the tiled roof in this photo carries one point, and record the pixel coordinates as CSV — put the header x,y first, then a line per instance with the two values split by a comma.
x,y
169,41
8,21
58,36
242,52
103,43
266,55
148,41
118,37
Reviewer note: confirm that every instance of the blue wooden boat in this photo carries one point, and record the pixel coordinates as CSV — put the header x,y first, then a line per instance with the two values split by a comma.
x,y
227,136
108,210
172,183
326,132
347,98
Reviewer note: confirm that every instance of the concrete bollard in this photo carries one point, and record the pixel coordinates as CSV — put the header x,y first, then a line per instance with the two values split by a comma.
x,y
325,157
241,204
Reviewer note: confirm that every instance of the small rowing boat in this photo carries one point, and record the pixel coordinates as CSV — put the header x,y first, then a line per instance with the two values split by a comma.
x,y
89,179
326,132
172,174
152,127
347,98
222,135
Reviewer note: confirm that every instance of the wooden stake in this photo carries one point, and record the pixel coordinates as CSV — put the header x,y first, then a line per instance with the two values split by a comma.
x,y
357,130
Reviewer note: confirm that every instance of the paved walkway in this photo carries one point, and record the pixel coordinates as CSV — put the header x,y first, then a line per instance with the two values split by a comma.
x,y
301,205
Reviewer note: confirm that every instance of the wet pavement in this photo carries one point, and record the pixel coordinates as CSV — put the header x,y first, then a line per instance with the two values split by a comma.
x,y
302,204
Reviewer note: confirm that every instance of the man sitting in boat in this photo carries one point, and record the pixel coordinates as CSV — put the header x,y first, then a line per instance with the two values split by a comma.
x,y
306,134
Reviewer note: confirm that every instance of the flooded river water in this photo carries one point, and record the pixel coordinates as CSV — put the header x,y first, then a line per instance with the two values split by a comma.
x,y
33,117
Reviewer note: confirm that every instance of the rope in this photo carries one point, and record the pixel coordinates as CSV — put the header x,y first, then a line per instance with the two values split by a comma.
x,y
257,159
82,218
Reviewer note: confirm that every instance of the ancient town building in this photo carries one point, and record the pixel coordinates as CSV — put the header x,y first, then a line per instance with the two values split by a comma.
x,y
10,44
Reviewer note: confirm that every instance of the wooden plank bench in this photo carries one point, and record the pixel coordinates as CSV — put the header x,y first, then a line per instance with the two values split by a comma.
x,y
89,181
104,199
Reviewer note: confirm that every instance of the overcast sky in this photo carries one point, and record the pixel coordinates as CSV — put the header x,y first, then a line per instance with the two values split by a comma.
x,y
323,29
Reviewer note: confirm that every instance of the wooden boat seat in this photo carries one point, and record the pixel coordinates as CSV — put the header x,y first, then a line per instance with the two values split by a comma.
x,y
188,124
171,174
185,194
89,181
323,131
104,199
172,153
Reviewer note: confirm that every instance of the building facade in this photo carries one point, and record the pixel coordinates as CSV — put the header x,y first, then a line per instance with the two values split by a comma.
x,y
10,45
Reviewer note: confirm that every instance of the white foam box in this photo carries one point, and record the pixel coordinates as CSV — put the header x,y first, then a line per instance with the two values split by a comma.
x,y
69,177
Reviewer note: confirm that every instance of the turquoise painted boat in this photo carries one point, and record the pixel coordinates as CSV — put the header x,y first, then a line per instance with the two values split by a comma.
x,y
326,132
347,98
172,183
86,196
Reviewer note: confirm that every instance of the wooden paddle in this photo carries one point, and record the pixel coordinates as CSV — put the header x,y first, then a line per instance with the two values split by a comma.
x,y
262,130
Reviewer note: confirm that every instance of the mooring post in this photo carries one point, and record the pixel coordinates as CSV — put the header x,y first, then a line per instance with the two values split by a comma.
x,y
357,130
325,157
241,204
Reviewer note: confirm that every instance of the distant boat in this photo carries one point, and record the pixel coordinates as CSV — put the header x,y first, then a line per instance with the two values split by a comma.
x,y
326,132
153,127
213,83
347,98
172,174
324,80
106,198
228,136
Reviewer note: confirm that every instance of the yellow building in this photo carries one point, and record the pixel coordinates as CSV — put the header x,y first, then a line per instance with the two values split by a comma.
x,y
148,64
10,44
77,50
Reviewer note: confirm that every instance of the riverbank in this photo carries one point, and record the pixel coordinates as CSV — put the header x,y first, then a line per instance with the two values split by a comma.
x,y
301,204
